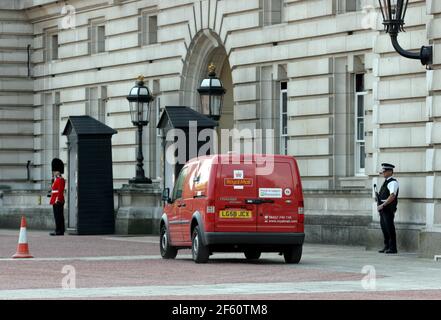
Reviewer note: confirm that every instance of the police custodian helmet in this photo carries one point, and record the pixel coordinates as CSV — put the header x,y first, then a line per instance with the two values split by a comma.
x,y
57,165
387,166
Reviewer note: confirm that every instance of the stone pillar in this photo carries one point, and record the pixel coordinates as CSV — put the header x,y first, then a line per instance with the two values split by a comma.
x,y
139,209
16,99
402,121
430,236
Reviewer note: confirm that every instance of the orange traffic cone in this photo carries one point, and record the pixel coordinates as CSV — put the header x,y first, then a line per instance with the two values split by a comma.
x,y
22,248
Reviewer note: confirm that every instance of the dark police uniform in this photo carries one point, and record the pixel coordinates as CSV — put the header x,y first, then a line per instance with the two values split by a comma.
x,y
387,215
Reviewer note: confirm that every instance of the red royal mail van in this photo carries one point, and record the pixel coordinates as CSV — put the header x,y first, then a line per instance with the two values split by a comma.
x,y
235,203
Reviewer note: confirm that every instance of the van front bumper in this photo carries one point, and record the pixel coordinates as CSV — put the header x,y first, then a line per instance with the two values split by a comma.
x,y
261,238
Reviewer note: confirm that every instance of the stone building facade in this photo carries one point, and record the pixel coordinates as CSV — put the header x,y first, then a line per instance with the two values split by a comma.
x,y
321,73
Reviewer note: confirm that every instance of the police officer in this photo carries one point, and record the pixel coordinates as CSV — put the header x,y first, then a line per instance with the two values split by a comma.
x,y
57,196
388,201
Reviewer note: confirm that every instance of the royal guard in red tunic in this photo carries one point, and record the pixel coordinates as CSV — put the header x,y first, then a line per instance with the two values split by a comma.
x,y
57,196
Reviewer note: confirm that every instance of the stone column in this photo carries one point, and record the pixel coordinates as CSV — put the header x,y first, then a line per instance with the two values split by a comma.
x,y
139,209
402,132
430,236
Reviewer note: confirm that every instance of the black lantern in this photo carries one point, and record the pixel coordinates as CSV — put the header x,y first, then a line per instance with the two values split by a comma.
x,y
139,101
394,12
212,94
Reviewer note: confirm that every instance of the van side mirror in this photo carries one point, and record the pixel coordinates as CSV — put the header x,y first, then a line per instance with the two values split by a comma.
x,y
166,195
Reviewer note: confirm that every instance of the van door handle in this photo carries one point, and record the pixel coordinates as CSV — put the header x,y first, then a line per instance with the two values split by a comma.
x,y
258,201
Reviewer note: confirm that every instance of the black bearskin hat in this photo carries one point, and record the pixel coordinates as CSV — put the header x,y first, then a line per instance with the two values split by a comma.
x,y
57,165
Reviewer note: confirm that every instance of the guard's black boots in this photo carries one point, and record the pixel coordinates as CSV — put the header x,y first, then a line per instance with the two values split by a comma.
x,y
383,250
56,234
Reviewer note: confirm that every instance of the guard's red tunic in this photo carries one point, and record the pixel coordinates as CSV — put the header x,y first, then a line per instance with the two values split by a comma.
x,y
58,190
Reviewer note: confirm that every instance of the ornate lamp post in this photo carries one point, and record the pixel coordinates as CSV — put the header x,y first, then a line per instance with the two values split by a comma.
x,y
140,98
394,12
212,93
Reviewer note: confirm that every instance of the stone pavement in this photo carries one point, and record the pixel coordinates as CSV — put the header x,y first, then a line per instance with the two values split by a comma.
x,y
113,267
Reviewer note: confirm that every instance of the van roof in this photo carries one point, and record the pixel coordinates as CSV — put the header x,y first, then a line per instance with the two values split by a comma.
x,y
224,158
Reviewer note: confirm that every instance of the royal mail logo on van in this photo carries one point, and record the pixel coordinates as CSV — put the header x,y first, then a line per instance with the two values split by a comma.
x,y
238,182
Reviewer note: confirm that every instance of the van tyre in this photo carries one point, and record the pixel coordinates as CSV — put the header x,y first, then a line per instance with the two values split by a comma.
x,y
252,254
199,251
167,251
293,254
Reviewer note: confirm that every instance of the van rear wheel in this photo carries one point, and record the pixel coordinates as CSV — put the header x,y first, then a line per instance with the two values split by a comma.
x,y
293,254
167,251
252,254
199,251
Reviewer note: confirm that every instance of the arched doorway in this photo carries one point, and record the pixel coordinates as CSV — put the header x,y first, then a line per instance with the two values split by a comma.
x,y
205,48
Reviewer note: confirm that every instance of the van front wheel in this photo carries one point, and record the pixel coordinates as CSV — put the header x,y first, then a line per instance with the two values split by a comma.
x,y
167,251
293,254
199,251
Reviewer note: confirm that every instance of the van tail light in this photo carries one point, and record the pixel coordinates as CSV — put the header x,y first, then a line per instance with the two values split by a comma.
x,y
301,212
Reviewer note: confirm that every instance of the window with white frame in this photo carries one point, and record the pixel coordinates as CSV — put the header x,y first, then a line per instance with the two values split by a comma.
x,y
96,103
56,123
158,115
101,38
360,153
50,129
97,37
283,118
272,12
148,28
344,6
54,47
51,46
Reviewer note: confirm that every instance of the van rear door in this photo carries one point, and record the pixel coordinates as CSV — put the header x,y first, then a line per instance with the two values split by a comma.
x,y
235,184
278,211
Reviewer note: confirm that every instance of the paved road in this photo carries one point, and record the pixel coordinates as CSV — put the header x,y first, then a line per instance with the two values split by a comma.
x,y
113,267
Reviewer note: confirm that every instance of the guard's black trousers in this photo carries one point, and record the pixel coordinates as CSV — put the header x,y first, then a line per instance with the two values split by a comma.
x,y
387,226
59,218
